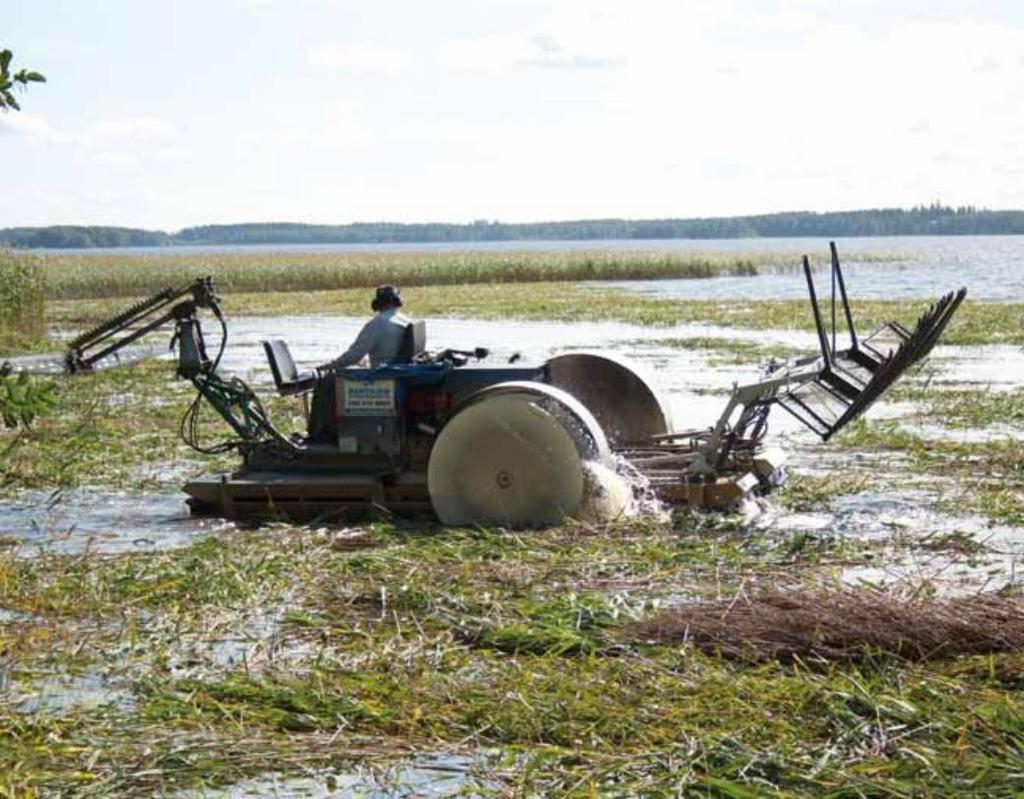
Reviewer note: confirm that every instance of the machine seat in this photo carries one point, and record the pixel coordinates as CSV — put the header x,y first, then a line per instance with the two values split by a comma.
x,y
414,341
286,374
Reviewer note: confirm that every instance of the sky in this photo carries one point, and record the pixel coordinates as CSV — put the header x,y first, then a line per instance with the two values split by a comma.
x,y
170,114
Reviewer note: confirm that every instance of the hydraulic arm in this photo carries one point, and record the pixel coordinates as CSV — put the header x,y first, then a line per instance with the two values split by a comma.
x,y
233,400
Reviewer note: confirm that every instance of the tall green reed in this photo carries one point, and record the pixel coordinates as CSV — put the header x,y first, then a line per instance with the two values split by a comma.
x,y
95,276
22,292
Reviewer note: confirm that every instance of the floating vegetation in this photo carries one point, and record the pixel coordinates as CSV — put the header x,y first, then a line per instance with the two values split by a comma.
x,y
468,641
975,323
976,408
731,351
263,658
987,476
804,492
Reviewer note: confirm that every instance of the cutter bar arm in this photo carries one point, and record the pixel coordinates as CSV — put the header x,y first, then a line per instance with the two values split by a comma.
x,y
89,348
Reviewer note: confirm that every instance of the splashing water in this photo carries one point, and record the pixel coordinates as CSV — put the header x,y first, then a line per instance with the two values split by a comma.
x,y
615,489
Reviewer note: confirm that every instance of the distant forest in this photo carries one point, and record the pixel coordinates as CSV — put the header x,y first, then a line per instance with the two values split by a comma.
x,y
933,220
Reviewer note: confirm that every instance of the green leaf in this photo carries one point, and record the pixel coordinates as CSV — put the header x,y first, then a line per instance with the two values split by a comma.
x,y
23,399
5,59
734,790
25,75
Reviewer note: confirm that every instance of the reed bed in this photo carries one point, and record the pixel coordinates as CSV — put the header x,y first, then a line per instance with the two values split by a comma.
x,y
22,282
842,626
95,276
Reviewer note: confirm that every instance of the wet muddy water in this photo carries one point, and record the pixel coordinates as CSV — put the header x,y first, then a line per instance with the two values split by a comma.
x,y
427,775
99,520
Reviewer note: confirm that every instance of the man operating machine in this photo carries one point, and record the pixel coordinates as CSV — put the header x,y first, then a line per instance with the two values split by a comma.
x,y
381,338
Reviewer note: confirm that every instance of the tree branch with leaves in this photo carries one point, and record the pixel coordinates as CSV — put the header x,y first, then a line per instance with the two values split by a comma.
x,y
8,81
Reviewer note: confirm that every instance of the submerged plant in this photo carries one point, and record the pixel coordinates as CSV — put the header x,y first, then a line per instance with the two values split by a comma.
x,y
22,399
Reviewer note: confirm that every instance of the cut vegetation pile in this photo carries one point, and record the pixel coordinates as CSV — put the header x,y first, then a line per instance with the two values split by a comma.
x,y
845,625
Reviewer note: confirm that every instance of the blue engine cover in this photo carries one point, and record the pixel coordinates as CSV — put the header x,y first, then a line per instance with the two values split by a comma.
x,y
363,410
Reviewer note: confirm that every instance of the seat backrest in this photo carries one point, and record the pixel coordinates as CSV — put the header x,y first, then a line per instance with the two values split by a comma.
x,y
281,364
414,341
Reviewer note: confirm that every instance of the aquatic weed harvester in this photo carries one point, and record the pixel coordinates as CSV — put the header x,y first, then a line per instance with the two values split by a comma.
x,y
511,444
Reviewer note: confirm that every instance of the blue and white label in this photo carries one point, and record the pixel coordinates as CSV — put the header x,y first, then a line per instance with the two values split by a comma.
x,y
369,397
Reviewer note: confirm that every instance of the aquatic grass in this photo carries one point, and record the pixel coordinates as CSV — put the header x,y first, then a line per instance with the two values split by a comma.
x,y
382,677
975,408
984,477
116,427
730,351
807,492
95,276
975,323
22,292
387,639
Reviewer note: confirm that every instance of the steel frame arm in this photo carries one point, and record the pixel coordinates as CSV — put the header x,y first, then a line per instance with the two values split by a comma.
x,y
86,350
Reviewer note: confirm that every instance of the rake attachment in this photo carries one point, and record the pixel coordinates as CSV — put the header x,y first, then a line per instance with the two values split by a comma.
x,y
831,389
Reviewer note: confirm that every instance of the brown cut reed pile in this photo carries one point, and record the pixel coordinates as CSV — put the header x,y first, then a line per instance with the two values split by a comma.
x,y
841,625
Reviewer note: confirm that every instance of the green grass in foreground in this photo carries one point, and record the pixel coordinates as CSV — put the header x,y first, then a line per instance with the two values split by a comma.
x,y
96,276
118,428
453,640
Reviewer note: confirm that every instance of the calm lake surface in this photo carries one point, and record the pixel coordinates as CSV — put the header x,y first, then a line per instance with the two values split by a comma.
x,y
992,267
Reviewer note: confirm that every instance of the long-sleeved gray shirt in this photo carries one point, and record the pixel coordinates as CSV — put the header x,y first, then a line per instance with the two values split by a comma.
x,y
380,338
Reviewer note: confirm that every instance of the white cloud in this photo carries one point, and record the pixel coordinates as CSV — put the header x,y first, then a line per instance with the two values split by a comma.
x,y
97,134
170,155
538,50
31,127
337,126
127,129
336,134
356,57
118,160
560,108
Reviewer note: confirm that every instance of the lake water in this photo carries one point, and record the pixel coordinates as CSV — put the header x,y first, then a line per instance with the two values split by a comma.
x,y
991,267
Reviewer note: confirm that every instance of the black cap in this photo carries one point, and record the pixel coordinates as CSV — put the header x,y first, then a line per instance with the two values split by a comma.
x,y
386,297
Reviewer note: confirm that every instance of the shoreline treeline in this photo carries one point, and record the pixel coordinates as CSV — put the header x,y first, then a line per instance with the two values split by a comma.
x,y
918,221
